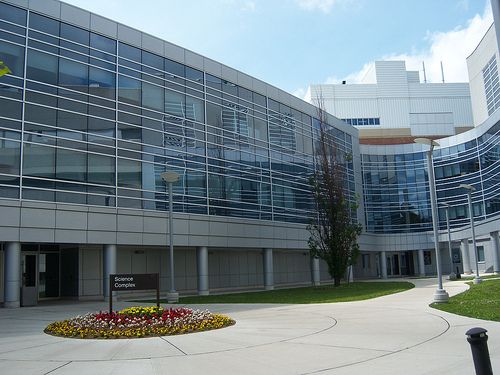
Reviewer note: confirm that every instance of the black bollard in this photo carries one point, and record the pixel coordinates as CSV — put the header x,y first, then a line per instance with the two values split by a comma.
x,y
477,339
458,274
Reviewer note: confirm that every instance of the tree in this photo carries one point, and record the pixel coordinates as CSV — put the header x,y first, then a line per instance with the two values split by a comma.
x,y
333,232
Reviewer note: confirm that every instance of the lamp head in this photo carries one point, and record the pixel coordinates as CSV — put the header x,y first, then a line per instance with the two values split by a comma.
x,y
468,187
426,141
170,177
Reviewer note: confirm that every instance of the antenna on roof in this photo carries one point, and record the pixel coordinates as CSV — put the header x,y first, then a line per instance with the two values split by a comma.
x,y
423,67
442,71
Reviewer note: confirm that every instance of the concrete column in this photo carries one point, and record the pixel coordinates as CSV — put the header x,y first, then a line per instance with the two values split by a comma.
x,y
383,264
109,257
421,263
12,274
202,265
464,247
495,248
315,273
268,269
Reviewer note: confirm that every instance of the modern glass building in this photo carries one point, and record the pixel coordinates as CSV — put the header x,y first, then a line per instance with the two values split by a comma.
x,y
93,112
397,202
90,116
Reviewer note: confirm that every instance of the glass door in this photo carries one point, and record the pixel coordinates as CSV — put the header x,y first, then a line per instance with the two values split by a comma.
x,y
48,273
29,279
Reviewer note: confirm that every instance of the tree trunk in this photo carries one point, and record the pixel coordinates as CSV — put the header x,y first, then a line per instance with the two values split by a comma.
x,y
336,281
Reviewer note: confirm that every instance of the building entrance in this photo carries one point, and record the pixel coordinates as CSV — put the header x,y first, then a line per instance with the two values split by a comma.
x,y
42,274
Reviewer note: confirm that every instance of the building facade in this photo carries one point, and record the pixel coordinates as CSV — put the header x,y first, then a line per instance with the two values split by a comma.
x,y
93,112
91,115
393,106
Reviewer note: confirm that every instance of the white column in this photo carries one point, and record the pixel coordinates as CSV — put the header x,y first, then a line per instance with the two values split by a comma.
x,y
464,247
268,269
12,274
315,273
202,265
421,263
495,248
109,257
383,264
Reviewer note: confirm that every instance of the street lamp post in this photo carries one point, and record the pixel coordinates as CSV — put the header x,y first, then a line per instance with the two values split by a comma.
x,y
170,178
440,295
453,275
470,189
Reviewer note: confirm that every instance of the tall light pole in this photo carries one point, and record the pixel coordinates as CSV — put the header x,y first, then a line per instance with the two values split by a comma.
x,y
440,295
169,178
470,189
452,276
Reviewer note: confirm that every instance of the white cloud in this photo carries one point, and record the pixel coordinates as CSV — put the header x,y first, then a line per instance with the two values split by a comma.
x,y
300,92
451,48
323,5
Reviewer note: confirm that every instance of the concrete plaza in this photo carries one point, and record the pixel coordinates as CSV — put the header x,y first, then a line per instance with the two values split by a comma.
x,y
388,335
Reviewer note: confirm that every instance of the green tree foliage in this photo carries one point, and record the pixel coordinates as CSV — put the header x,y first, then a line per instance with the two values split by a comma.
x,y
333,233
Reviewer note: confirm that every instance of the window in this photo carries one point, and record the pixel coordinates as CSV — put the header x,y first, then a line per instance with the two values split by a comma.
x,y
47,25
13,56
362,121
75,34
102,83
10,156
102,43
13,14
73,75
427,258
42,67
39,161
480,253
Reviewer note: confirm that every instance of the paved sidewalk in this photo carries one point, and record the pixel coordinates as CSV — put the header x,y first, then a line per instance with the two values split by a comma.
x,y
396,334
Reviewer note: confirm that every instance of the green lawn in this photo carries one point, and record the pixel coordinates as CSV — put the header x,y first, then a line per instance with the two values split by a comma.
x,y
484,277
323,294
481,301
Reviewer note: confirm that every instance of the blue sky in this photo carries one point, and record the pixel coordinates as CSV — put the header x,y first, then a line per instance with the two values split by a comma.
x,y
292,43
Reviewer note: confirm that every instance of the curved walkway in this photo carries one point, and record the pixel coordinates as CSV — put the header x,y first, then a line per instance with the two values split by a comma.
x,y
389,335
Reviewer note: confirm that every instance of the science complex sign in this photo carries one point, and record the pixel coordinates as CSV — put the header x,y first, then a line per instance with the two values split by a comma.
x,y
138,281
133,281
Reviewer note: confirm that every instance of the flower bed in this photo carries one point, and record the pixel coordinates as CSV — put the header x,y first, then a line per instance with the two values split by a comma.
x,y
134,322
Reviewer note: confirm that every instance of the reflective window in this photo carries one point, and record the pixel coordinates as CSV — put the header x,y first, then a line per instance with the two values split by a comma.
x,y
42,115
45,24
39,161
129,52
10,157
13,14
102,83
75,34
42,67
13,56
73,75
10,108
71,165
101,169
153,97
152,60
102,43
129,173
174,67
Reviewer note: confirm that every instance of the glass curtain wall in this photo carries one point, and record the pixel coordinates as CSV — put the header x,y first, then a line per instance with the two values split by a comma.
x,y
85,119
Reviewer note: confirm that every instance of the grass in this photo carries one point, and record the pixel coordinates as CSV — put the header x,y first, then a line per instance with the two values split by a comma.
x,y
481,301
323,294
484,277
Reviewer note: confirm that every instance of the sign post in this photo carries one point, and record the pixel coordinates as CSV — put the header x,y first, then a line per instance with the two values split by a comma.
x,y
139,281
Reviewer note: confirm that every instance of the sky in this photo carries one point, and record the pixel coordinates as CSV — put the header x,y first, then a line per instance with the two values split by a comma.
x,y
294,43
